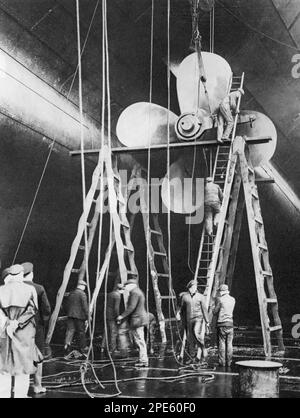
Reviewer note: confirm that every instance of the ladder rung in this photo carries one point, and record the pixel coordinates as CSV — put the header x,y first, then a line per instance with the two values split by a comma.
x,y
128,248
163,275
267,273
75,270
258,220
126,225
117,177
203,285
81,247
251,170
254,194
154,232
170,319
132,273
270,300
275,328
168,297
263,247
160,254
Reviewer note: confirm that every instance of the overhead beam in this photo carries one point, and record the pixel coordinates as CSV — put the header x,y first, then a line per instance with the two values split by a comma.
x,y
176,145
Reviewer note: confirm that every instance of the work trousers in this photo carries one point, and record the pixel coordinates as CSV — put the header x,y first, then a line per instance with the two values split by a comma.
x,y
21,386
117,336
225,338
211,216
227,116
195,336
139,340
76,325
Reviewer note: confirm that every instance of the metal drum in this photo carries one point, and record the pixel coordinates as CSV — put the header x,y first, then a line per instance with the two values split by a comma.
x,y
258,379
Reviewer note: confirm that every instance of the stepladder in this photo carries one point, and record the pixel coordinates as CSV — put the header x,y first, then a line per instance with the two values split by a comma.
x,y
105,179
240,177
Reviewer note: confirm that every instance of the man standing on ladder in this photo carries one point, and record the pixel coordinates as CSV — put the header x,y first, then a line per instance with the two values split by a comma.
x,y
227,106
213,197
193,312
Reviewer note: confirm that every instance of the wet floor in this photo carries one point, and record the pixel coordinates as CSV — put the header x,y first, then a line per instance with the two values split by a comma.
x,y
165,377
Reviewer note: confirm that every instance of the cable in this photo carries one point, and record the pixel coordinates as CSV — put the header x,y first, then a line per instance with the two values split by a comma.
x,y
255,29
147,231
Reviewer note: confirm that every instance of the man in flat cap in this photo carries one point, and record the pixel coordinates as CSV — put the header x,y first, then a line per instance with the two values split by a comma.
x,y
224,310
41,320
137,315
228,106
193,312
78,313
18,352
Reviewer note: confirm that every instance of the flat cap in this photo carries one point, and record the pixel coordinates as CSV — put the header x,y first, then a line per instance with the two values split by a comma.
x,y
15,269
5,273
131,281
81,283
191,283
28,268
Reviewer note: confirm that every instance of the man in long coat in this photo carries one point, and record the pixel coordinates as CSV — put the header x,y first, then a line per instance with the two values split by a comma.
x,y
18,352
41,320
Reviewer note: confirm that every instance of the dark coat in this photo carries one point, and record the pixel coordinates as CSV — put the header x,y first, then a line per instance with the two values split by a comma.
x,y
113,305
44,307
77,305
135,310
18,355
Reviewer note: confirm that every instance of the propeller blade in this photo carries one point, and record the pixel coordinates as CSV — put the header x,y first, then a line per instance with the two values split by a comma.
x,y
143,124
219,78
261,126
186,184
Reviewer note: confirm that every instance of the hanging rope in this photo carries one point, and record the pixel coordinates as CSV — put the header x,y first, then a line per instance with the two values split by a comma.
x,y
148,233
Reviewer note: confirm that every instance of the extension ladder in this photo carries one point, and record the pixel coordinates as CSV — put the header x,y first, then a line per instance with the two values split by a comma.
x,y
222,158
79,254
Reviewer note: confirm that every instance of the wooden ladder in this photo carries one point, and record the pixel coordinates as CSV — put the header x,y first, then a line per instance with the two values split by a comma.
x,y
157,255
241,173
79,254
207,243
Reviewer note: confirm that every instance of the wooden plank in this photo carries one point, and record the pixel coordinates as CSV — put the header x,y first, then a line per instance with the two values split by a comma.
x,y
175,145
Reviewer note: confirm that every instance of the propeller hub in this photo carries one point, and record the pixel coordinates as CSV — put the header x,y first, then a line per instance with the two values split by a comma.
x,y
188,126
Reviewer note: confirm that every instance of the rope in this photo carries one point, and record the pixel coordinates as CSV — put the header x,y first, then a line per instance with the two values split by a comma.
x,y
105,91
252,28
148,234
51,147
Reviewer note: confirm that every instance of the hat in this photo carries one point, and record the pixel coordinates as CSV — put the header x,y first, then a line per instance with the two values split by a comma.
x,y
223,289
28,268
5,273
130,281
191,283
81,283
15,269
241,91
209,179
